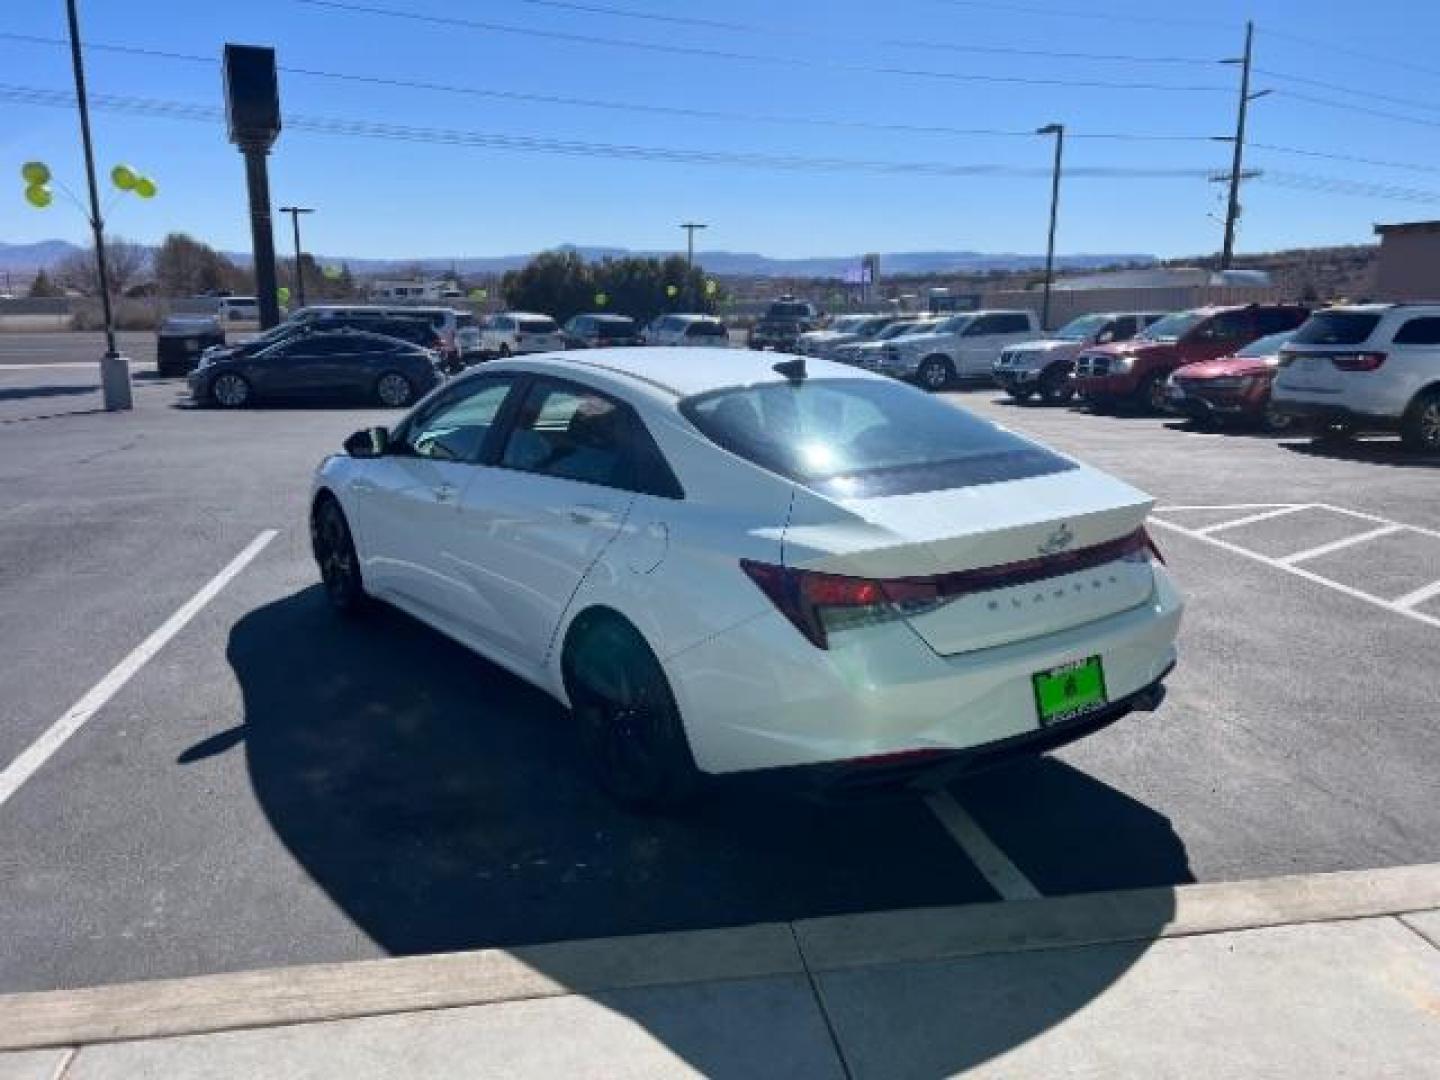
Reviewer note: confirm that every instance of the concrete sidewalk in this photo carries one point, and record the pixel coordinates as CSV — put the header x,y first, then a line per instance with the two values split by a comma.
x,y
1314,976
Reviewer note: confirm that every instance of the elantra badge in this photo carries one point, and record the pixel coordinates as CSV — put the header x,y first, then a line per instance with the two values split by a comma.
x,y
1058,540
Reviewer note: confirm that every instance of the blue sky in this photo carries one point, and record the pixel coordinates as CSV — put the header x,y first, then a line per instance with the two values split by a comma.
x,y
386,198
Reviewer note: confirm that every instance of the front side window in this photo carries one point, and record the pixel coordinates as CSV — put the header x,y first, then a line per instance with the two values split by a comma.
x,y
854,438
456,428
1081,329
1226,326
571,434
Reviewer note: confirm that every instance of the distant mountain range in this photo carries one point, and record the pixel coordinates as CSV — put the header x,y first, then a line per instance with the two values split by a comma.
x,y
46,253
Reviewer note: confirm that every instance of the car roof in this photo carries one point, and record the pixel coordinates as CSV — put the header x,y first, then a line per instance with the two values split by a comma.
x,y
668,373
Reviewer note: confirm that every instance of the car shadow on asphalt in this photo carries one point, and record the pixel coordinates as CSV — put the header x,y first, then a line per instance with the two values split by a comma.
x,y
445,805
1389,452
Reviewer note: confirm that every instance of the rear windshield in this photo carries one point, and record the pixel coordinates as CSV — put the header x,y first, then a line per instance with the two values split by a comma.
x,y
788,311
536,326
1337,328
614,326
861,438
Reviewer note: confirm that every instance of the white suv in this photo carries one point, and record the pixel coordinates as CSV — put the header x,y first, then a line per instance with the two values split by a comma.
x,y
1370,367
512,333
687,330
962,347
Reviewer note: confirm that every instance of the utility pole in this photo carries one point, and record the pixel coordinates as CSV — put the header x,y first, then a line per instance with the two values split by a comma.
x,y
690,227
1232,212
1058,130
114,368
295,212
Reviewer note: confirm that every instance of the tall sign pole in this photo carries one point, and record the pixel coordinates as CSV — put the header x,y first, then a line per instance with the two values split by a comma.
x,y
295,212
690,227
114,368
252,108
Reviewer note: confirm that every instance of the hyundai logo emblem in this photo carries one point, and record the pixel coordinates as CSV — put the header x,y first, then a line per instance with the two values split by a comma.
x,y
1058,540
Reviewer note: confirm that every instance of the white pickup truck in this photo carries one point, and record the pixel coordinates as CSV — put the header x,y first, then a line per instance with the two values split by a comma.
x,y
964,346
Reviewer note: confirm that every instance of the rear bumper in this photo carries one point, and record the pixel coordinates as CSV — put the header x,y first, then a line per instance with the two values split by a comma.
x,y
760,696
1329,412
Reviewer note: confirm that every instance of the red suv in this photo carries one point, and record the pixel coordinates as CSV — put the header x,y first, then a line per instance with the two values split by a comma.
x,y
1134,372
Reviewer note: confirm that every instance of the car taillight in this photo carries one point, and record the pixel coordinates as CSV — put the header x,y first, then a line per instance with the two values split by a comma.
x,y
820,604
1153,547
1361,361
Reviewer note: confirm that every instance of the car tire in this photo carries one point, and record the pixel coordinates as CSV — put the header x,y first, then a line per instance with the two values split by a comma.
x,y
1019,395
629,725
1276,422
1420,427
394,390
1150,398
935,373
1056,388
230,391
504,352
334,549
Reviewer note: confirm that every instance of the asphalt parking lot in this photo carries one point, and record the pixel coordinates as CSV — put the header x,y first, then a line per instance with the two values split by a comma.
x,y
268,786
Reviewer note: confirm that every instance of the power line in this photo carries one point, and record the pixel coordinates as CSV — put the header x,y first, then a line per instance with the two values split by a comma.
x,y
1366,110
1303,80
339,126
1096,16
1387,59
598,103
770,31
789,61
447,136
1349,158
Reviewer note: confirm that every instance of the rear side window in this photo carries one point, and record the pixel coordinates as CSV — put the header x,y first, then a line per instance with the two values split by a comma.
x,y
858,438
1013,323
1424,331
1226,326
705,329
537,326
1275,320
1337,328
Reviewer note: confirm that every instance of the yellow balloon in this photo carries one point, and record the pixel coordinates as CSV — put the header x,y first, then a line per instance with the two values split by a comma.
x,y
145,187
672,290
38,196
712,287
601,299
123,177
35,172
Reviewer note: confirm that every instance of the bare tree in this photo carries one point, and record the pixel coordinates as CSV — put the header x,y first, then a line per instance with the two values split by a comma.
x,y
125,264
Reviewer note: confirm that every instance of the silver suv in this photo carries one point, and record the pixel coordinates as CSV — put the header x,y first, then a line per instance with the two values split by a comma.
x,y
1367,367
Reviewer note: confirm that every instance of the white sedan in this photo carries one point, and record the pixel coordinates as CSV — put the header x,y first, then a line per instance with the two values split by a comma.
x,y
726,562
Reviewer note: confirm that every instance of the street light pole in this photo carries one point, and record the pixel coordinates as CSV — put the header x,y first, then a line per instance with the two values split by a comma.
x,y
114,368
690,227
295,212
1058,130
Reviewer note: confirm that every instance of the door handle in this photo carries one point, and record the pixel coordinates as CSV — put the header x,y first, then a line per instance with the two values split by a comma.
x,y
590,515
444,493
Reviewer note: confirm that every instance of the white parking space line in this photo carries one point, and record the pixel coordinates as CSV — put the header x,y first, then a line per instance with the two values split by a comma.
x,y
92,364
994,865
1342,544
1419,596
1299,571
1250,519
1375,518
1230,506
43,748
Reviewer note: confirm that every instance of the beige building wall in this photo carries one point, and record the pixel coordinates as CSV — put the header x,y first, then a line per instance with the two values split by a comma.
x,y
1409,267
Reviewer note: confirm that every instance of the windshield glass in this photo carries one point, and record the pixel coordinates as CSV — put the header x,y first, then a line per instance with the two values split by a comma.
x,y
1337,327
956,324
1083,328
1172,327
858,438
1266,346
900,329
847,324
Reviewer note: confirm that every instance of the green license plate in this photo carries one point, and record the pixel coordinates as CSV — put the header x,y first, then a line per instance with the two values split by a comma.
x,y
1068,691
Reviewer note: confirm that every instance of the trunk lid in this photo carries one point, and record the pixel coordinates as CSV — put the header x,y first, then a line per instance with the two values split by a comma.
x,y
1039,522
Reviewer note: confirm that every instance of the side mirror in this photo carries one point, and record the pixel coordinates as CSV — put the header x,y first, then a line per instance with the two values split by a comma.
x,y
368,443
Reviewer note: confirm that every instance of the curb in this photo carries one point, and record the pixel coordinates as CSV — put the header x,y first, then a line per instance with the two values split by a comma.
x,y
317,992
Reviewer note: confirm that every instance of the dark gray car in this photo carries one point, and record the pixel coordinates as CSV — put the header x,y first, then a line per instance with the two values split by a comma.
x,y
343,364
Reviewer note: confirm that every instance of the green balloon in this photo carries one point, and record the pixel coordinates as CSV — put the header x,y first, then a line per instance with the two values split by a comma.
x,y
124,177
601,299
38,196
478,294
35,172
672,290
283,294
332,272
712,287
145,187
